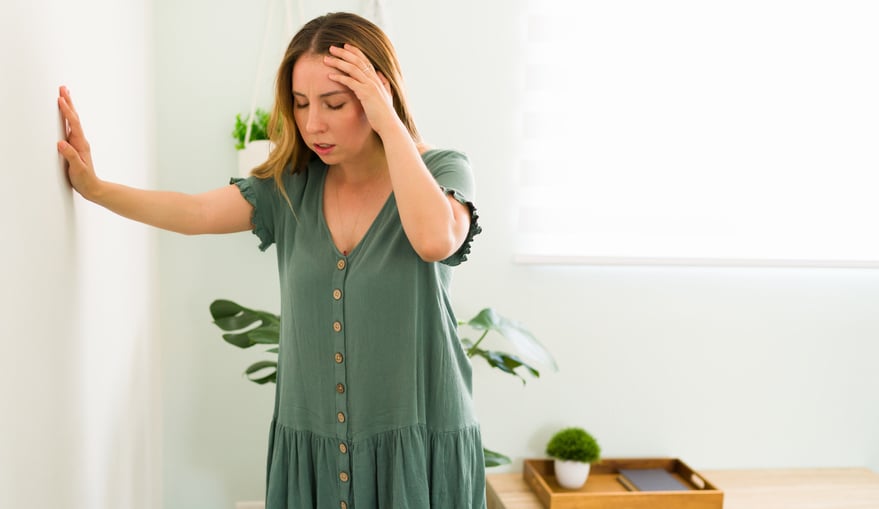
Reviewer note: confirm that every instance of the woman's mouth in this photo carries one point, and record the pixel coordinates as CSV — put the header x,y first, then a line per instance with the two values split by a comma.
x,y
323,148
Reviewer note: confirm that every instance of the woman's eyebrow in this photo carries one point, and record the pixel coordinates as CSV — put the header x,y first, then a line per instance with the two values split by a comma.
x,y
325,94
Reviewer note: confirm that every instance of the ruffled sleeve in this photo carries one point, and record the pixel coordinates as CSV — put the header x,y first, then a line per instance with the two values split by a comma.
x,y
257,192
452,171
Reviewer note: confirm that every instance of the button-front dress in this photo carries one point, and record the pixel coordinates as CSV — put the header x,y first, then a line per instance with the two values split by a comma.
x,y
373,404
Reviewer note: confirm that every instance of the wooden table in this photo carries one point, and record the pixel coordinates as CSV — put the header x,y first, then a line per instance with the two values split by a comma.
x,y
820,488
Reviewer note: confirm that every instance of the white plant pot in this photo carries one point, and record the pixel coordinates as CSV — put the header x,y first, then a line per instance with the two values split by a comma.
x,y
252,155
571,474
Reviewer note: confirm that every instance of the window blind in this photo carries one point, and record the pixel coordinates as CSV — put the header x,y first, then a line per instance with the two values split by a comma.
x,y
692,132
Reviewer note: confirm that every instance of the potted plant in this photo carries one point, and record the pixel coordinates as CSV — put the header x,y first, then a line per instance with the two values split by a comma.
x,y
574,450
248,327
253,146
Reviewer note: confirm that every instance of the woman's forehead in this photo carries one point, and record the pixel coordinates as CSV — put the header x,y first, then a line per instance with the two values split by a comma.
x,y
311,75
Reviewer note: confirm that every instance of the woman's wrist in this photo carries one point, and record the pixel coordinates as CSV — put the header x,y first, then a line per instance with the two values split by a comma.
x,y
396,139
93,191
394,127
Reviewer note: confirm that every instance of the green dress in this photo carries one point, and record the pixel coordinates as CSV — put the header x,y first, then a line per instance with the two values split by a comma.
x,y
373,407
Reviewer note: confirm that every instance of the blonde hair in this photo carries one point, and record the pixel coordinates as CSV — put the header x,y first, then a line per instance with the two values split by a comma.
x,y
315,37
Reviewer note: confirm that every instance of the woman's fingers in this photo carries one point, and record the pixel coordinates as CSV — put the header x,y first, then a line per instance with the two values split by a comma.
x,y
358,74
70,154
75,135
351,61
74,126
367,83
75,148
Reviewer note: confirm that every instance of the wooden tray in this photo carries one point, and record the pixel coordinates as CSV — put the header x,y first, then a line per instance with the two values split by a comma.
x,y
604,491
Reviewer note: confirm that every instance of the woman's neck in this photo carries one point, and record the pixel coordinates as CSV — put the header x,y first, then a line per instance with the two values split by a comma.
x,y
369,168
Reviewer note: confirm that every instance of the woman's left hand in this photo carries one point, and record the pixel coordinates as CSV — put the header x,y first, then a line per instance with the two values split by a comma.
x,y
370,86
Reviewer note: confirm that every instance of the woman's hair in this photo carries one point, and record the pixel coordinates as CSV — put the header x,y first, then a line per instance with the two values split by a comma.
x,y
334,29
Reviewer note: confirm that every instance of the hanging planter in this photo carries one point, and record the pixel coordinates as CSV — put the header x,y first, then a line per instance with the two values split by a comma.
x,y
253,155
252,134
253,144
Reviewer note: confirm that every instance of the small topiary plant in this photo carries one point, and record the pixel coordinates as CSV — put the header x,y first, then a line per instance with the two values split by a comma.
x,y
574,444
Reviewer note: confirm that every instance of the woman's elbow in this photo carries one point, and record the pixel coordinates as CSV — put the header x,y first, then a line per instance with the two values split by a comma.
x,y
436,248
443,240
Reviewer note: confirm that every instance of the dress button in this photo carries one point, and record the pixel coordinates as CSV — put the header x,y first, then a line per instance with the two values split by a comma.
x,y
340,416
337,326
343,476
340,265
339,358
343,505
343,448
340,388
337,294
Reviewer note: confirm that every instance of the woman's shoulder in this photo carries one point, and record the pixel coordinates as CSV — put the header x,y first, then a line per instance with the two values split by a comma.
x,y
284,186
437,157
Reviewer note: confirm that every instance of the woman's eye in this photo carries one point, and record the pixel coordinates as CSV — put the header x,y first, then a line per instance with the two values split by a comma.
x,y
335,106
300,106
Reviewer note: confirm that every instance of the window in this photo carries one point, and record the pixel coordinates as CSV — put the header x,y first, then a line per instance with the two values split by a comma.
x,y
688,132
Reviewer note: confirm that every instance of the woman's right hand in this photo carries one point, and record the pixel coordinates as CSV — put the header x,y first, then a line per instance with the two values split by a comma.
x,y
223,210
75,149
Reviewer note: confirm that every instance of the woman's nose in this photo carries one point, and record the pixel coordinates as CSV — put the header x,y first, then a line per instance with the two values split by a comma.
x,y
314,123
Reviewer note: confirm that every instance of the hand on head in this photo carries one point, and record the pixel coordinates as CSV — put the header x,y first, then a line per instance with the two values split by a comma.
x,y
369,85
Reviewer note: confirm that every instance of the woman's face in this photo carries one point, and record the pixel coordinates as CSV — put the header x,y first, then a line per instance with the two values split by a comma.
x,y
328,115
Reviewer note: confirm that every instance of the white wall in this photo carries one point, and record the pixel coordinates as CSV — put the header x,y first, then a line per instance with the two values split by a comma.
x,y
721,367
78,374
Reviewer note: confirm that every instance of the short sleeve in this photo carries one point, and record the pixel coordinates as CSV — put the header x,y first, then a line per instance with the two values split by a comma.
x,y
452,171
261,194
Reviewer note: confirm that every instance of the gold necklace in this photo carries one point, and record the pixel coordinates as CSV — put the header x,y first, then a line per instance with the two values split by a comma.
x,y
365,199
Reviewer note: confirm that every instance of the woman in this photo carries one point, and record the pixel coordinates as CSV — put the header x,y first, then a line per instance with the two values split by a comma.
x,y
373,398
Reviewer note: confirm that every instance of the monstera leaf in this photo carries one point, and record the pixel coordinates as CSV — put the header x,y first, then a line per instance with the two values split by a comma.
x,y
247,327
488,320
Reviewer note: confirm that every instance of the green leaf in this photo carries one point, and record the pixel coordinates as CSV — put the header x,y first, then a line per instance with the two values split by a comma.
x,y
573,444
505,362
488,319
493,459
256,366
268,318
271,376
229,315
512,362
222,308
240,321
241,340
264,327
258,130
264,335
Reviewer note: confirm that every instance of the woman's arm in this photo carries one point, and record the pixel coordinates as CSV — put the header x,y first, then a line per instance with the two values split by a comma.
x,y
435,224
222,210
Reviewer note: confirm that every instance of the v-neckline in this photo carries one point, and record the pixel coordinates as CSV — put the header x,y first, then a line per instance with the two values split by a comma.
x,y
326,227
